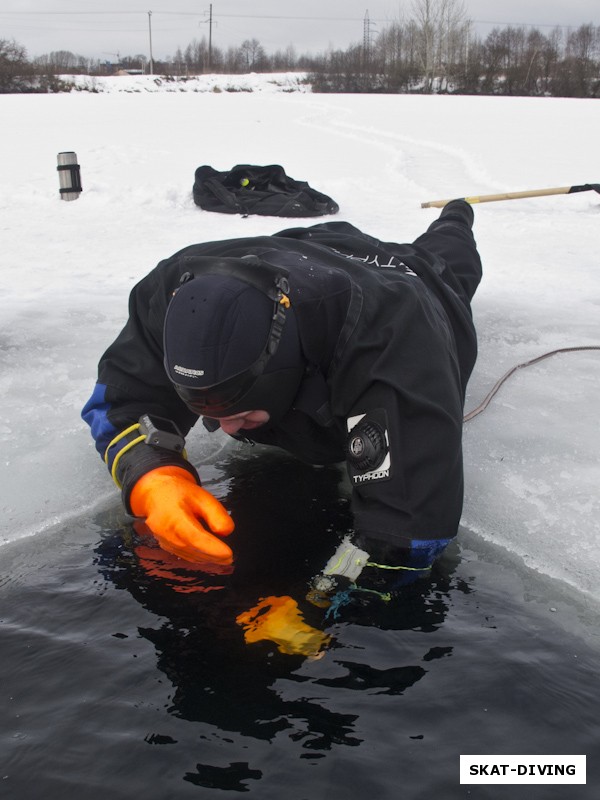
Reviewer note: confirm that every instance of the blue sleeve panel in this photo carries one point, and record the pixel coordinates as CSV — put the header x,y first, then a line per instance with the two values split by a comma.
x,y
423,552
419,559
95,413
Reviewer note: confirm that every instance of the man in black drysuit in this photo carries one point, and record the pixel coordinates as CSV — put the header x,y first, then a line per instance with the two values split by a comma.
x,y
323,341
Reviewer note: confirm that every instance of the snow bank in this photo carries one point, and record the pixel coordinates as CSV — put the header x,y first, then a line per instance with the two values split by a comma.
x,y
252,82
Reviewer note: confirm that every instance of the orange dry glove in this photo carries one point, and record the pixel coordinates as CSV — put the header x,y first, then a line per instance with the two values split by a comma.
x,y
171,501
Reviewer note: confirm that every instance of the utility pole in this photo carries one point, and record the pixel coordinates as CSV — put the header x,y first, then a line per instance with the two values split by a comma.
x,y
208,64
210,38
366,36
150,34
366,39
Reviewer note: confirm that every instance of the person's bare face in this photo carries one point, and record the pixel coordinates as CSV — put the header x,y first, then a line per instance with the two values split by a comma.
x,y
244,421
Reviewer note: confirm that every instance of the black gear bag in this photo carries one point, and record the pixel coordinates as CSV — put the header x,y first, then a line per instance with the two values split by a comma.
x,y
267,191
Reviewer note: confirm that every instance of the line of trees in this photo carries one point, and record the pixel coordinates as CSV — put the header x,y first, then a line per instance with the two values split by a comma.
x,y
434,50
509,61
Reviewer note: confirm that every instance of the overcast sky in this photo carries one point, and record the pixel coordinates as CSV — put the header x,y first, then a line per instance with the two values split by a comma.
x,y
104,28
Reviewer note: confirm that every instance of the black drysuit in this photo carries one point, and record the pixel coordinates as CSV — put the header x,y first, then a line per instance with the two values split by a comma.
x,y
387,332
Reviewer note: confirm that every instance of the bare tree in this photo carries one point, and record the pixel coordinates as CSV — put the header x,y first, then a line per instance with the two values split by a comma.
x,y
62,62
580,75
196,55
284,60
15,70
441,26
253,55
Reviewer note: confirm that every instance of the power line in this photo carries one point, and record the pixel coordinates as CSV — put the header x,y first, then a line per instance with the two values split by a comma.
x,y
524,24
296,17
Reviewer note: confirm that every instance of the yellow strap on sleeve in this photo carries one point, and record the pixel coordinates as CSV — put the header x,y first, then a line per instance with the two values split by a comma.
x,y
125,448
122,452
118,438
387,566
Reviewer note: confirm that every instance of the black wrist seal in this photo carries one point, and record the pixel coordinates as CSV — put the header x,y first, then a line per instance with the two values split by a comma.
x,y
142,459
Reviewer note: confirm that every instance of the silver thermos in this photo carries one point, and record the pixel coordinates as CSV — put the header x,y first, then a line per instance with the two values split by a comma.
x,y
69,176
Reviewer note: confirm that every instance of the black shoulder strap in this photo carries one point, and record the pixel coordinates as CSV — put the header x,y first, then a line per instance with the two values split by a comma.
x,y
268,279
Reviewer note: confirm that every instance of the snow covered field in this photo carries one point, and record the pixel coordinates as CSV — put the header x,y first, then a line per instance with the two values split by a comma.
x,y
66,268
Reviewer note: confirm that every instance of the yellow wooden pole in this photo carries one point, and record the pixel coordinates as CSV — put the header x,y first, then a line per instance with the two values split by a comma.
x,y
491,198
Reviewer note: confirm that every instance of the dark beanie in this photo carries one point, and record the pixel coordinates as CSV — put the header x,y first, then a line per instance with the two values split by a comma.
x,y
216,327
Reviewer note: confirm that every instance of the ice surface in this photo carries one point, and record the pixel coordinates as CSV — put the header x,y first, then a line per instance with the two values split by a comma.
x,y
531,459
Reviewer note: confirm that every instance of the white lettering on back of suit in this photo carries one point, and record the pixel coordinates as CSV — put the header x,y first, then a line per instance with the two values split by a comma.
x,y
373,261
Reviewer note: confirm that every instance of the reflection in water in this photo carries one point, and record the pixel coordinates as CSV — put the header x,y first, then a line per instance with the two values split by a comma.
x,y
289,518
388,681
139,657
225,778
279,620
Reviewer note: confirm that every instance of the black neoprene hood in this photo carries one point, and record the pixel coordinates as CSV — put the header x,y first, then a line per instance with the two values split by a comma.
x,y
220,350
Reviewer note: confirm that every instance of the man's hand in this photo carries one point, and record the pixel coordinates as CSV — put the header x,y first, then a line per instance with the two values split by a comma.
x,y
172,503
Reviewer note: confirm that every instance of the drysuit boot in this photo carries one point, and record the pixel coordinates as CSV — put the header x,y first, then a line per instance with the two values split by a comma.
x,y
458,211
